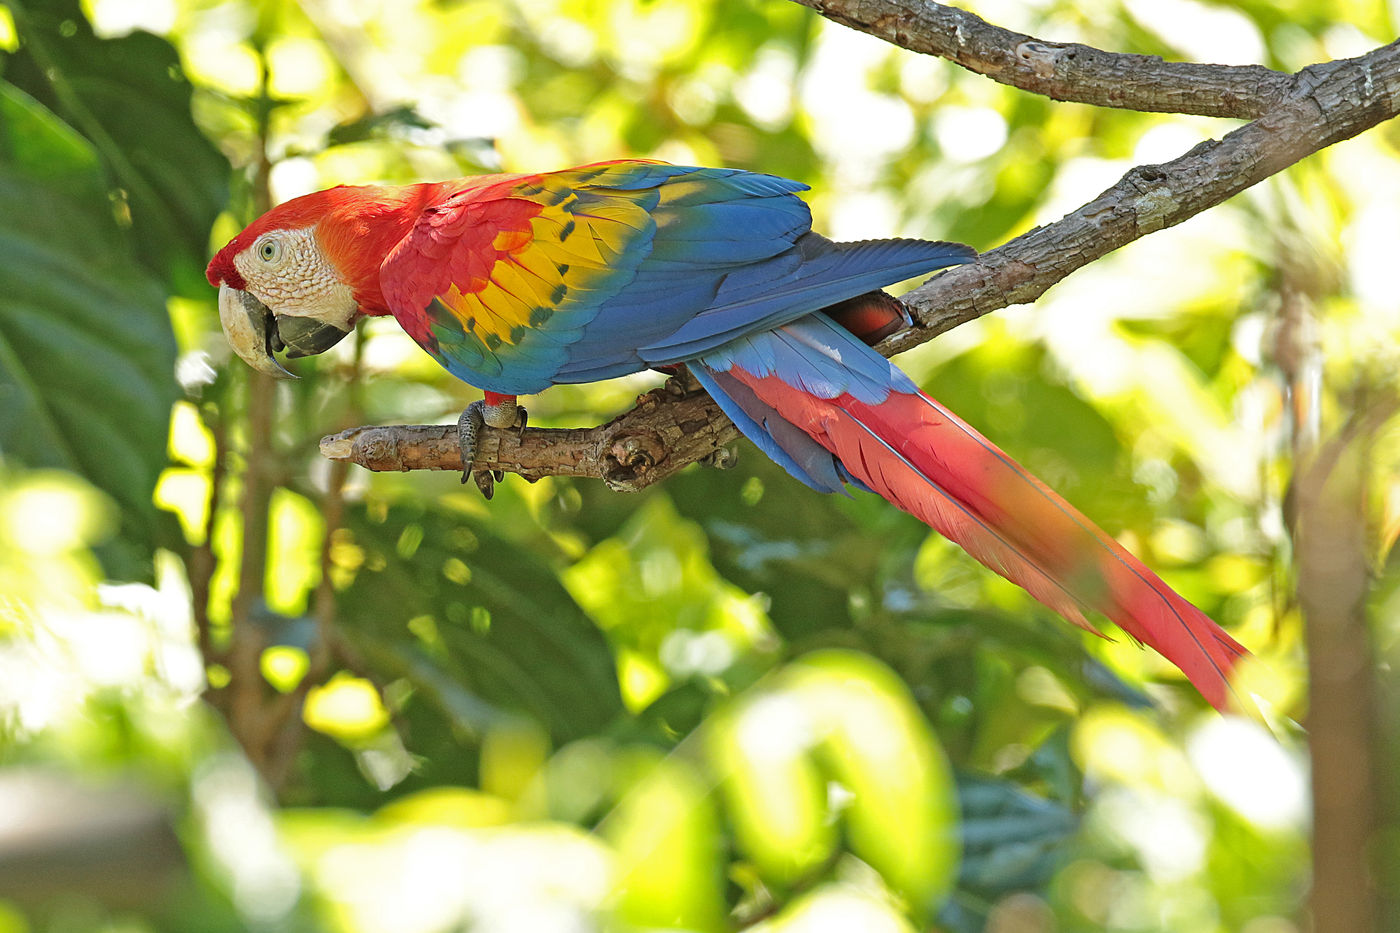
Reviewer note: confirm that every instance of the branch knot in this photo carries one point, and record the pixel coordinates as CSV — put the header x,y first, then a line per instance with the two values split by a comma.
x,y
630,457
1041,57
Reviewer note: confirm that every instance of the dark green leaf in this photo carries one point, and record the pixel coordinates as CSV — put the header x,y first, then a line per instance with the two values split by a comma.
x,y
86,353
129,97
391,123
1011,839
477,624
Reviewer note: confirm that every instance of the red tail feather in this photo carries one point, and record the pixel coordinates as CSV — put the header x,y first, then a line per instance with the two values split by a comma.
x,y
924,459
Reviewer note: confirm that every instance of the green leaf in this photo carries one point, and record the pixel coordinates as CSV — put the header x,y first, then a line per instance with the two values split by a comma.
x,y
664,831
396,121
839,717
86,353
129,97
476,623
768,532
651,587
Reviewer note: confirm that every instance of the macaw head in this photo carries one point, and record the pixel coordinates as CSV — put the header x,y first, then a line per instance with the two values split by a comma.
x,y
301,275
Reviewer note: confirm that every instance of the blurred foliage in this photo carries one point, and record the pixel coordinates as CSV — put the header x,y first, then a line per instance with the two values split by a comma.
x,y
725,703
87,347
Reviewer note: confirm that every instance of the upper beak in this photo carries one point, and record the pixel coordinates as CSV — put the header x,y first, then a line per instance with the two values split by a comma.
x,y
255,332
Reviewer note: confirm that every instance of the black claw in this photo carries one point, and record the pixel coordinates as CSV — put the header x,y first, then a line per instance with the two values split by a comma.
x,y
469,428
486,483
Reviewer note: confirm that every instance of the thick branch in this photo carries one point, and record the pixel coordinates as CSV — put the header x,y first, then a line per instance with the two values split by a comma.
x,y
1332,552
1327,103
1063,70
1324,104
667,430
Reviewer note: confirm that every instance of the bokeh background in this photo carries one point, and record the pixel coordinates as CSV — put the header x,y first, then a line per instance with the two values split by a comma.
x,y
242,689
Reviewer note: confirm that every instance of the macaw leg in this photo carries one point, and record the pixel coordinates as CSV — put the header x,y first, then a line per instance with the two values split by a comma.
x,y
496,411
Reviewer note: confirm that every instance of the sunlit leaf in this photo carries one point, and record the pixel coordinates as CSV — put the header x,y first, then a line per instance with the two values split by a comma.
x,y
512,755
417,867
840,732
665,833
838,906
653,589
774,790
347,708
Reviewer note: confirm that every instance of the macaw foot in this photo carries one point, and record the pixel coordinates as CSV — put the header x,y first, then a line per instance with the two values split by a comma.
x,y
680,382
496,411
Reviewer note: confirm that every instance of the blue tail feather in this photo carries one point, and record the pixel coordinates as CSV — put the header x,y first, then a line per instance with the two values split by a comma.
x,y
783,442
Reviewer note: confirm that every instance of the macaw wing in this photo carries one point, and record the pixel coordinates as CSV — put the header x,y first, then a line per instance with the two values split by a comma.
x,y
518,282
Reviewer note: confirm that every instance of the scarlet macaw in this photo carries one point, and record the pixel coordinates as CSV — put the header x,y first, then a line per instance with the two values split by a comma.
x,y
518,282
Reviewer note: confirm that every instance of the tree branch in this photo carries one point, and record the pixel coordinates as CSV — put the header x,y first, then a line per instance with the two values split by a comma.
x,y
1326,104
1063,70
1332,553
1322,104
670,427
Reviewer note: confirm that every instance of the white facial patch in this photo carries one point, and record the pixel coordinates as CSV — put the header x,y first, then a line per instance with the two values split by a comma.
x,y
286,271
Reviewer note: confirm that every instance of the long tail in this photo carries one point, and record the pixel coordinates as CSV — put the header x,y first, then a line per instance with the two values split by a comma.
x,y
830,410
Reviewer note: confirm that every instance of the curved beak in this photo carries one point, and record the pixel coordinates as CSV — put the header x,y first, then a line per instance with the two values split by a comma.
x,y
255,333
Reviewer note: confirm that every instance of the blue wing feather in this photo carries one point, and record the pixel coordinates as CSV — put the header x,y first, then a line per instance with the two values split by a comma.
x,y
813,276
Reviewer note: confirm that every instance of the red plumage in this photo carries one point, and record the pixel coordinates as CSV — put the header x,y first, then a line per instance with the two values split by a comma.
x,y
930,463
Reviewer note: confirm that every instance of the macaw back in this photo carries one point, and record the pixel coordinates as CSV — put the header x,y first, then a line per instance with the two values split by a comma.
x,y
521,282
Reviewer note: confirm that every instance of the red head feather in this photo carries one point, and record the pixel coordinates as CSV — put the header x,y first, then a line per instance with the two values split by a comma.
x,y
355,226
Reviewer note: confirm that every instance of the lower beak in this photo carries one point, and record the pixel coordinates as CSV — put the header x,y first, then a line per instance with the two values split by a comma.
x,y
254,332
304,336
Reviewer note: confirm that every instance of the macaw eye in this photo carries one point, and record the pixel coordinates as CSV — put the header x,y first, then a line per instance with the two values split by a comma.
x,y
269,250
